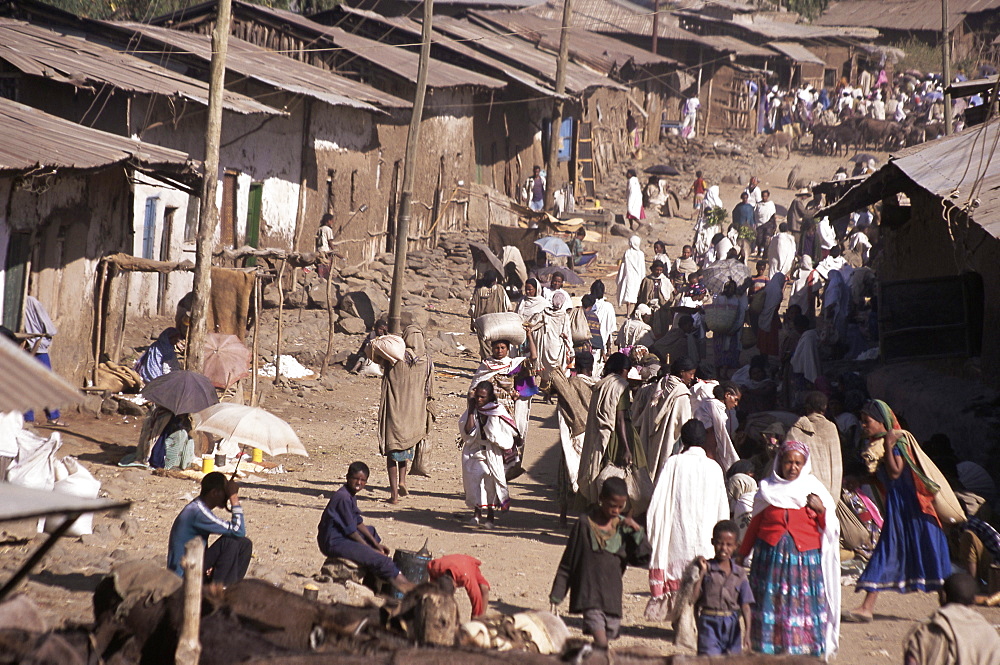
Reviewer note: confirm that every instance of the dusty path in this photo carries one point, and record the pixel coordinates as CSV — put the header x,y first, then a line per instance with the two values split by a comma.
x,y
337,427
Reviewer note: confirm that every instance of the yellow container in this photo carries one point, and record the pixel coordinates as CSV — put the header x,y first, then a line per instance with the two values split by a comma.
x,y
207,463
258,456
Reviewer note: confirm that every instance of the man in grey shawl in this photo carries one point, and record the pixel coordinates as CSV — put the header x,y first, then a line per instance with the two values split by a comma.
x,y
406,409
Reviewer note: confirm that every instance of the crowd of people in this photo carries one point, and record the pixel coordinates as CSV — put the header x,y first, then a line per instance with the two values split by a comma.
x,y
740,459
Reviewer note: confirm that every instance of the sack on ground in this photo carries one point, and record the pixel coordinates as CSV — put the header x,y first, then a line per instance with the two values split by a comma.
x,y
502,325
77,482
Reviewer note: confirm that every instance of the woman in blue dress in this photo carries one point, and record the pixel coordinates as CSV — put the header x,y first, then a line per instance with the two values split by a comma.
x,y
912,551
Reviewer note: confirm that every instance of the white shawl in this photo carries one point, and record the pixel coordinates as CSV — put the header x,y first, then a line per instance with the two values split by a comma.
x,y
634,198
791,495
631,272
491,367
660,423
531,306
781,253
688,501
713,415
805,358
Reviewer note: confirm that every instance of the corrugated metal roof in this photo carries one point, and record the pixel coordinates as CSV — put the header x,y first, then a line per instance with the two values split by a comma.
x,y
411,29
728,43
617,17
397,60
30,138
901,14
265,66
594,49
941,167
527,55
27,383
973,87
61,57
19,503
783,30
797,52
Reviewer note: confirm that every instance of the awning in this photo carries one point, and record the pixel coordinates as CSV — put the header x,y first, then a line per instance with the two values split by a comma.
x,y
797,52
29,384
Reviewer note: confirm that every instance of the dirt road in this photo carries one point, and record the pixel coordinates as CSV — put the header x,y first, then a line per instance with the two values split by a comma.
x,y
338,426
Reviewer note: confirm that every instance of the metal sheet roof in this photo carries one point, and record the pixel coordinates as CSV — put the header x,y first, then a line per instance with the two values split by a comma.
x,y
617,17
526,54
901,14
783,30
797,52
973,87
27,383
943,166
265,66
19,503
400,61
596,50
30,138
411,30
55,55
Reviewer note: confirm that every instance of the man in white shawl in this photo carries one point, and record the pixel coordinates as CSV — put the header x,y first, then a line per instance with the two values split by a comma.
x,y
805,286
37,322
793,495
605,312
781,251
487,430
669,407
805,359
688,500
553,338
634,211
630,273
635,330
718,415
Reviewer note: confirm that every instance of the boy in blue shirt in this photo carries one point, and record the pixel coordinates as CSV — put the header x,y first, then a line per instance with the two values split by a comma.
x,y
227,560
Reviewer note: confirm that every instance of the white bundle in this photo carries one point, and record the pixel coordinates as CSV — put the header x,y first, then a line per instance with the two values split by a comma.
x,y
290,368
387,347
502,325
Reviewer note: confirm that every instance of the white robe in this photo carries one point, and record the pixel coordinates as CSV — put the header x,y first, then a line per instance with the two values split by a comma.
x,y
483,475
688,501
781,253
606,315
630,272
634,198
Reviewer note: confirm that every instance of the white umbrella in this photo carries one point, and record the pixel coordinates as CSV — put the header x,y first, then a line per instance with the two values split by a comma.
x,y
240,425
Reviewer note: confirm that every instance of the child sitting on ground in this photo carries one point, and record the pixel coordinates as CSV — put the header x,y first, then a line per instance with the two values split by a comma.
x,y
601,545
463,570
723,594
343,533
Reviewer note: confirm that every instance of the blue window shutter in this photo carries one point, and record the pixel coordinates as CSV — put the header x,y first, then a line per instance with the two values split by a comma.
x,y
565,139
149,228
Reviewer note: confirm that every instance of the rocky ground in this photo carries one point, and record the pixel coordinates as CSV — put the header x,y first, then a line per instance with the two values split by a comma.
x,y
336,417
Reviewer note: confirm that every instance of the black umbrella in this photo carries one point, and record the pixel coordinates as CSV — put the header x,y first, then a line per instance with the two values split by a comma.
x,y
661,169
181,391
863,157
545,274
482,254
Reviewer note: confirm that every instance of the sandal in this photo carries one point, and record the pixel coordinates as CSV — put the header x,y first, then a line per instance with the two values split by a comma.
x,y
55,423
856,617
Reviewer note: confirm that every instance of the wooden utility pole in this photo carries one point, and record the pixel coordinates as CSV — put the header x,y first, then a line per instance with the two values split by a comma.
x,y
551,160
656,24
946,65
208,220
409,172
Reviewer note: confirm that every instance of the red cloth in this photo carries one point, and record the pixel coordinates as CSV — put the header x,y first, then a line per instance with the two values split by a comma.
x,y
464,569
770,524
699,186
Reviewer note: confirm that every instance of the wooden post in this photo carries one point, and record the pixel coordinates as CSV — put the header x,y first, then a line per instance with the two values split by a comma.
x,y
409,172
188,644
656,25
946,66
209,217
256,336
281,309
708,107
329,314
552,158
117,356
102,273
